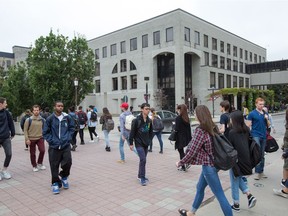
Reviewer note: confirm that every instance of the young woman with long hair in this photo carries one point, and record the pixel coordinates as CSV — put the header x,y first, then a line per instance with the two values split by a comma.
x,y
103,119
183,131
200,152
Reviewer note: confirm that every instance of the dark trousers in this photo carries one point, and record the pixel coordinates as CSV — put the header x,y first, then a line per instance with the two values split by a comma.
x,y
41,148
182,155
81,134
92,131
59,157
74,139
6,143
142,153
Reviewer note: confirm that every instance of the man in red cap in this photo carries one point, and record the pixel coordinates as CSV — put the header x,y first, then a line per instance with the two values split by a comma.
x,y
125,120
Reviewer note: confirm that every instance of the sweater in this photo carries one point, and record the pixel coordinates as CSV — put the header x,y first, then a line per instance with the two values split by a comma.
x,y
34,131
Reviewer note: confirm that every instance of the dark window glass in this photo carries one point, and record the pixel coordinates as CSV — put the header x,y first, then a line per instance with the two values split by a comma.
x,y
220,80
235,65
241,82
104,52
247,82
169,34
222,62
113,50
133,79
241,53
197,37
235,51
228,84
115,83
123,65
246,55
123,46
214,43
255,58
187,34
97,69
96,53
212,80
124,83
228,49
97,86
206,41
144,40
132,66
206,58
156,37
235,82
214,60
133,44
228,64
115,69
222,46
241,67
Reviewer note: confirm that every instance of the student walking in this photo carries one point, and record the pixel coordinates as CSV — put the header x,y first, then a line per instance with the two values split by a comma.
x,y
200,152
33,137
257,121
141,135
27,114
7,132
183,132
92,123
156,122
82,123
105,127
76,129
58,131
225,117
239,138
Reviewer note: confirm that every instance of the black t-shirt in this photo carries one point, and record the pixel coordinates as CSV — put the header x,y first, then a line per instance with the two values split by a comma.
x,y
225,119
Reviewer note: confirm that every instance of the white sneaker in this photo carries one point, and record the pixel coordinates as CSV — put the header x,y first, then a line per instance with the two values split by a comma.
x,y
91,141
41,167
35,169
0,177
280,193
5,174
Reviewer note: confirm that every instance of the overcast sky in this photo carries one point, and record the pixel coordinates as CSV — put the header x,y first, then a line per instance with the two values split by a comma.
x,y
263,22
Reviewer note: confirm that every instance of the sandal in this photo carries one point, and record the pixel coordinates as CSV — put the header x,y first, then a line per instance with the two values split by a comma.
x,y
182,212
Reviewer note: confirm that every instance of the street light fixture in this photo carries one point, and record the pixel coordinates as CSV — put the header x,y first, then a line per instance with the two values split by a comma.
x,y
146,79
76,86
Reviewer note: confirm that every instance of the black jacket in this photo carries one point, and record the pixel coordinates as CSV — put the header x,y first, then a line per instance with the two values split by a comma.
x,y
183,134
7,128
141,132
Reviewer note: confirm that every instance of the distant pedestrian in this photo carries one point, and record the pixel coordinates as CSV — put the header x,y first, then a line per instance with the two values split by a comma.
x,y
239,137
92,123
257,120
82,116
141,135
33,137
46,113
225,117
7,132
245,111
27,114
58,131
131,109
156,122
183,132
200,152
77,127
105,127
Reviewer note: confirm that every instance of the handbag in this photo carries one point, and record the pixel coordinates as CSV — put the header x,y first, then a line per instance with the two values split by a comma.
x,y
271,144
172,136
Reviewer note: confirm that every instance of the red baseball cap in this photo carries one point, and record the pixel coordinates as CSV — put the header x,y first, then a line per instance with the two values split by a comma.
x,y
124,105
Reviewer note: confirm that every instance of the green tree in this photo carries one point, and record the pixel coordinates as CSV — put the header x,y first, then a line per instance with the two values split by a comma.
x,y
54,63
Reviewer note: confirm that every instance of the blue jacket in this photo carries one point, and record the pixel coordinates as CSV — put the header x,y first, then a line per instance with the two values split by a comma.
x,y
58,134
7,128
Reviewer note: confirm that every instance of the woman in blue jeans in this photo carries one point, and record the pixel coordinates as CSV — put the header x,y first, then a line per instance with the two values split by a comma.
x,y
200,152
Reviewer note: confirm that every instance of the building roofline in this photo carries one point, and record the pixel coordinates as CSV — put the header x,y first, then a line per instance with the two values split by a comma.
x,y
16,46
178,9
6,55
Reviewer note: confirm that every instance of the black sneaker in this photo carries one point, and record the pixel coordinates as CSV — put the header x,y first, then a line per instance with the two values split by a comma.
x,y
235,207
283,182
251,201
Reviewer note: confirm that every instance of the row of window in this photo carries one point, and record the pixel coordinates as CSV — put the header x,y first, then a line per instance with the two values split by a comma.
x,y
231,81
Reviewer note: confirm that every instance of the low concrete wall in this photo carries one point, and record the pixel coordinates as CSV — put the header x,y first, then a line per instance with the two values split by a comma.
x,y
18,129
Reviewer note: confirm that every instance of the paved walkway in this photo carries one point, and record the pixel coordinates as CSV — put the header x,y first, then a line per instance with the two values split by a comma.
x,y
101,186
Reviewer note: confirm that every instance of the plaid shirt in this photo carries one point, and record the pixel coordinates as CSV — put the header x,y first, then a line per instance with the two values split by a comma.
x,y
195,153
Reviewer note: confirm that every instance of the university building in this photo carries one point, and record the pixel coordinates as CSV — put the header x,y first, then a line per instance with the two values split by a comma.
x,y
177,52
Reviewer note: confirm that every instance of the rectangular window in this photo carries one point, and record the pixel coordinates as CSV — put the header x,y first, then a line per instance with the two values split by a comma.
x,y
104,52
124,83
169,34
187,34
96,53
212,80
228,49
197,37
97,86
251,56
144,40
246,55
156,37
235,65
8,63
133,79
214,43
206,41
113,50
97,69
133,44
241,82
228,81
206,58
123,65
259,59
123,47
255,58
246,82
214,60
235,49
228,64
241,67
220,81
222,46
115,84
241,53
222,62
132,66
235,82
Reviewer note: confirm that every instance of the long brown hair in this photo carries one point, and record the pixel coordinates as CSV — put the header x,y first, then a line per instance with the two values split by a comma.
x,y
183,112
106,112
204,117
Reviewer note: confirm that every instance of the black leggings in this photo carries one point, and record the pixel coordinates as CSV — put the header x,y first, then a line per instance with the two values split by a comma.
x,y
182,155
92,131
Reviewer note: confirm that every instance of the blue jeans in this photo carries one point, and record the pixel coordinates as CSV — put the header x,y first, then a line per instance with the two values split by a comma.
x,y
159,137
142,153
209,176
262,143
106,135
121,147
236,183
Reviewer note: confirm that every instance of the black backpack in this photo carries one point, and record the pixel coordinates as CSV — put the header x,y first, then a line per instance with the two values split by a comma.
x,y
157,124
255,152
82,118
93,116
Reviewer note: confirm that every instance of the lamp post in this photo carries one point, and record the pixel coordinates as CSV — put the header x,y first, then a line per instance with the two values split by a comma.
x,y
76,86
212,89
146,79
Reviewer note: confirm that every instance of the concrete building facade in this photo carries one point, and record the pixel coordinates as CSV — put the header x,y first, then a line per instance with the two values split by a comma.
x,y
178,52
9,59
